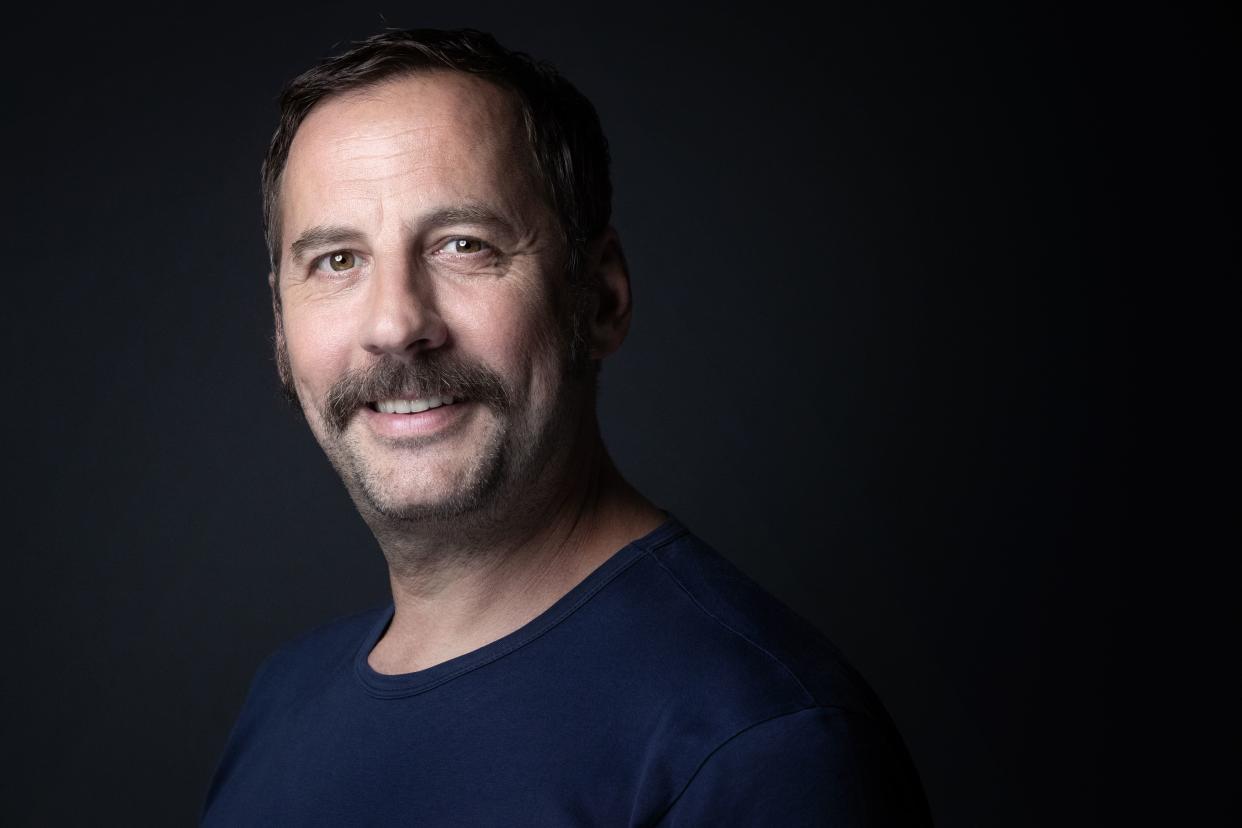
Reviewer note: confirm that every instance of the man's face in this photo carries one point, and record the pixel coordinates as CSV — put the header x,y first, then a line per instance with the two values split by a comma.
x,y
421,262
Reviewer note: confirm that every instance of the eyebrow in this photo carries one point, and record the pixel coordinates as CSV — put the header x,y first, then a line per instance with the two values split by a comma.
x,y
466,214
320,236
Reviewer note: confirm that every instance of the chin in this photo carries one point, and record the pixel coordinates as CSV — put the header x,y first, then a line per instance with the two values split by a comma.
x,y
475,494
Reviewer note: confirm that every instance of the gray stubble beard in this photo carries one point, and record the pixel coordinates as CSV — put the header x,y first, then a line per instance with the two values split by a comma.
x,y
492,483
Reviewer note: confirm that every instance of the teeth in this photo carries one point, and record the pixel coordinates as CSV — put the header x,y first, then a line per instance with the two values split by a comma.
x,y
412,406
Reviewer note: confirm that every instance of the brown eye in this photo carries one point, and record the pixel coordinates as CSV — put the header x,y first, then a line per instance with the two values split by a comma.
x,y
341,260
463,246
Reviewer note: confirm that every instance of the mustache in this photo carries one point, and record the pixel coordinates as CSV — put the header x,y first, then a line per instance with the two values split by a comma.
x,y
433,374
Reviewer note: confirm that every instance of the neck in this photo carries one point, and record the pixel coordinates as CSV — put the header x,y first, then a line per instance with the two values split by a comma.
x,y
457,587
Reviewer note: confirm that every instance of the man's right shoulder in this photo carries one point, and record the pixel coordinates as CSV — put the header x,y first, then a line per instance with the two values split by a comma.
x,y
304,661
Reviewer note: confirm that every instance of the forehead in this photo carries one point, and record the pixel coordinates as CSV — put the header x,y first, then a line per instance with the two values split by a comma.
x,y
438,135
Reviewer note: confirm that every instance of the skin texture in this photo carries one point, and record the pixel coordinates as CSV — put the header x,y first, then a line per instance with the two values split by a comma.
x,y
419,255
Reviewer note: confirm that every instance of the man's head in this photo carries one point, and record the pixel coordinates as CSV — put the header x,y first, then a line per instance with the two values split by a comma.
x,y
436,210
568,150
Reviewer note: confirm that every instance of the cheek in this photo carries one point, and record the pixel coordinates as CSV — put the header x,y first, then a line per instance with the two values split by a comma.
x,y
318,348
515,335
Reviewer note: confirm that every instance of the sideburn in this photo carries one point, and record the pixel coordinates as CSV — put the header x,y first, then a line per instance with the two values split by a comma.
x,y
284,368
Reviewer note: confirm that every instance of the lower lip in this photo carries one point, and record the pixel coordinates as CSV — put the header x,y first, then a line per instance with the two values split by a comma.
x,y
431,421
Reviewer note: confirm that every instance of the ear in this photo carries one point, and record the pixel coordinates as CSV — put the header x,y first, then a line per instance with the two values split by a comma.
x,y
271,285
283,369
609,320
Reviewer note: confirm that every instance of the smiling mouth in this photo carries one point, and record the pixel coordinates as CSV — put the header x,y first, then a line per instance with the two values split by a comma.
x,y
416,406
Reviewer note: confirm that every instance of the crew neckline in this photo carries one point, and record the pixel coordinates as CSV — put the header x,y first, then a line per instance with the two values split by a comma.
x,y
382,685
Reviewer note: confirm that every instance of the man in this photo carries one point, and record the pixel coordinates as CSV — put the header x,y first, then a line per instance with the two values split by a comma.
x,y
559,651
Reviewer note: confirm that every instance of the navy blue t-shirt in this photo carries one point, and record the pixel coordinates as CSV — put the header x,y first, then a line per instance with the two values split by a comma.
x,y
665,689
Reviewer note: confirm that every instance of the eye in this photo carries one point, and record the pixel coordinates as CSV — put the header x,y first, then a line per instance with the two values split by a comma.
x,y
338,261
462,246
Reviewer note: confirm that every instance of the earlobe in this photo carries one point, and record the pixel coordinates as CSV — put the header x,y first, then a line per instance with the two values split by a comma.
x,y
610,320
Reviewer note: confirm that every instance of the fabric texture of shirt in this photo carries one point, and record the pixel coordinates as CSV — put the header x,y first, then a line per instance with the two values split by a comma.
x,y
665,689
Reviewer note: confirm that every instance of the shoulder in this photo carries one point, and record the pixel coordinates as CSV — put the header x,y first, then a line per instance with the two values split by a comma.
x,y
817,766
739,622
771,723
305,661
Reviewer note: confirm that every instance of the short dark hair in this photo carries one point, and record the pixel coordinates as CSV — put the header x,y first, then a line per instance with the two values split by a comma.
x,y
569,150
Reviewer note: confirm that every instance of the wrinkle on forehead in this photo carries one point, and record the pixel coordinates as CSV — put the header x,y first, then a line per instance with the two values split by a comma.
x,y
353,148
389,106
407,152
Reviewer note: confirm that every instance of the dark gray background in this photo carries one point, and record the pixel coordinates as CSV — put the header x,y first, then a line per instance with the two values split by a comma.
x,y
880,359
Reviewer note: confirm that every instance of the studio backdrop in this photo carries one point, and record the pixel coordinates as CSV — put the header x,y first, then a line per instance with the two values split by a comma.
x,y
874,361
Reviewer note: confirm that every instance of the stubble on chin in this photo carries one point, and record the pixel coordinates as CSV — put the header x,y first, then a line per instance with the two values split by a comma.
x,y
469,490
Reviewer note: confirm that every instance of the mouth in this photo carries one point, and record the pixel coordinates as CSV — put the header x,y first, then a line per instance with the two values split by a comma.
x,y
399,405
397,420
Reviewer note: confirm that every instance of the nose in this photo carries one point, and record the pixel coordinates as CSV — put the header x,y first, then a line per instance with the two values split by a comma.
x,y
401,319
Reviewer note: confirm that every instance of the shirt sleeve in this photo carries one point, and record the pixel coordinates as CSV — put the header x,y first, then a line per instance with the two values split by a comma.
x,y
822,766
